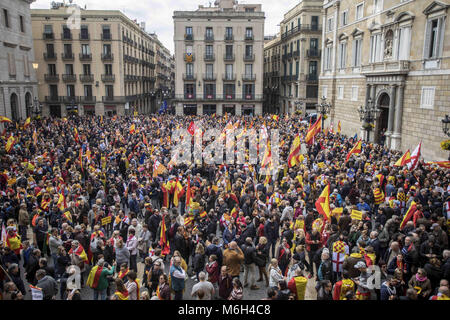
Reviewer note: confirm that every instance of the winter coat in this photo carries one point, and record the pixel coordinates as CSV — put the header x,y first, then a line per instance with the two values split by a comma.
x,y
233,260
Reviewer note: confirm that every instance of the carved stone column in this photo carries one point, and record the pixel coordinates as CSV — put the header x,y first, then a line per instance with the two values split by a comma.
x,y
397,135
390,127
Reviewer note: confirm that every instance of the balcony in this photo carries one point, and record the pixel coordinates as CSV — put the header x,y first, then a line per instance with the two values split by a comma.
x,y
85,56
69,78
66,36
107,56
228,57
209,96
229,38
209,57
209,77
229,77
312,77
313,53
249,57
48,36
209,37
129,77
84,36
70,100
386,67
249,37
189,96
298,29
87,99
248,77
189,37
108,77
106,36
51,77
189,77
190,58
114,99
229,96
67,56
86,77
296,54
252,96
50,56
53,99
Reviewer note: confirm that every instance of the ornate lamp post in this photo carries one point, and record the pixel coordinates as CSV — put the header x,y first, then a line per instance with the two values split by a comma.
x,y
324,108
368,114
298,106
37,107
446,125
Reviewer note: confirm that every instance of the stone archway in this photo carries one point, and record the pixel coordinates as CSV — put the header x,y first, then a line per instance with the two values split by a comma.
x,y
14,103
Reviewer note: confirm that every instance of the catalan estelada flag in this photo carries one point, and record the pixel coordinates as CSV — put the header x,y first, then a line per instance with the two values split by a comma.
x,y
323,203
404,160
408,215
355,150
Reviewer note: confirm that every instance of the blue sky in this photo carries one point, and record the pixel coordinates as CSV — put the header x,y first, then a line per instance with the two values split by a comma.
x,y
157,14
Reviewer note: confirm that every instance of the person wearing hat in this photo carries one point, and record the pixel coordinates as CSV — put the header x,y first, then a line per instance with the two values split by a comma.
x,y
363,292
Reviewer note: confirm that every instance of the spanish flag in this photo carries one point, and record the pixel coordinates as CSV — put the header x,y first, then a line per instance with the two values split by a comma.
x,y
165,195
323,203
188,195
164,242
267,156
179,190
80,253
27,123
292,159
313,130
442,164
404,160
10,143
5,119
275,117
77,137
62,202
339,127
35,137
133,129
408,215
355,150
81,159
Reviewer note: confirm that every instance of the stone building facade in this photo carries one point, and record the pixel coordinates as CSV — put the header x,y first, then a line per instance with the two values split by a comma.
x,y
391,53
219,59
102,64
18,86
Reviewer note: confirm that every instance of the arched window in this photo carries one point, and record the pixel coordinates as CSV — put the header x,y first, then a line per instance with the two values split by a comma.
x,y
28,104
14,107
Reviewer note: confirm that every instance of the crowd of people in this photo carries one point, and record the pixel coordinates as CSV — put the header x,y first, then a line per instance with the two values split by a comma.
x,y
98,204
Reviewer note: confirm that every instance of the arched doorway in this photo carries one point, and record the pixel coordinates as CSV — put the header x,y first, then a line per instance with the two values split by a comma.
x,y
28,104
382,122
14,107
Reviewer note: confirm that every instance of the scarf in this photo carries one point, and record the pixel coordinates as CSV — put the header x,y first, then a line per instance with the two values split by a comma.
x,y
421,279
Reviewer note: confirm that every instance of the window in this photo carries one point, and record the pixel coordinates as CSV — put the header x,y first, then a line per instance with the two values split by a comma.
x,y
314,22
67,49
249,32
70,90
88,91
86,69
6,18
209,50
50,50
210,90
325,91
248,50
109,90
106,32
328,56
313,69
189,69
84,33
248,89
297,68
229,71
354,93
344,18
209,70
299,24
377,6
356,54
342,55
427,99
85,49
314,43
341,92
209,33
53,90
434,38
404,41
107,49
69,69
188,30
229,51
48,29
22,24
330,24
66,32
108,69
249,70
312,92
52,69
250,9
229,89
359,11
229,32
376,48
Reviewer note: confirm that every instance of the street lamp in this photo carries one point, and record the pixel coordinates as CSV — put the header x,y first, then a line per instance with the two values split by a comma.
x,y
368,114
446,125
298,104
324,108
37,107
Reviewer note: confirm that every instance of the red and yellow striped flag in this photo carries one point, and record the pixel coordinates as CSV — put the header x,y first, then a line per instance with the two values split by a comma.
x,y
10,143
355,150
323,203
5,119
404,160
27,123
133,129
339,127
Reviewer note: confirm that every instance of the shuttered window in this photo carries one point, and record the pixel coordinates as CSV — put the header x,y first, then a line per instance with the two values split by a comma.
x,y
427,99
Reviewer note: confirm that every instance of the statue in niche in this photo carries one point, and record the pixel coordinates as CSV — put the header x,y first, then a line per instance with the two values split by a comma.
x,y
388,41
